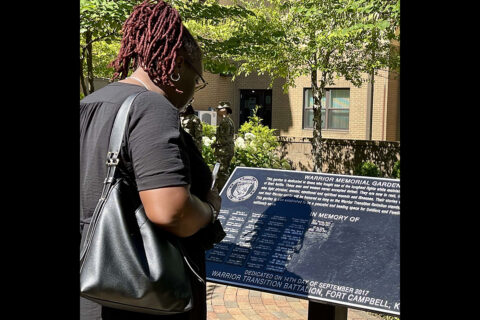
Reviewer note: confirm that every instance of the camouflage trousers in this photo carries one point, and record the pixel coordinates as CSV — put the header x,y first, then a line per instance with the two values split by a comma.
x,y
224,157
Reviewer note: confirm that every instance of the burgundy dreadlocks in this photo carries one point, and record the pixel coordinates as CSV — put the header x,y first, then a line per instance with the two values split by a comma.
x,y
151,37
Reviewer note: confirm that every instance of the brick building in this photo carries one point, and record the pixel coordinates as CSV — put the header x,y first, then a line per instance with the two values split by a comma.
x,y
290,114
346,117
346,136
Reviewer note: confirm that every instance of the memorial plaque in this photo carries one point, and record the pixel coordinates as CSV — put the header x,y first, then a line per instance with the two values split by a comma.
x,y
324,237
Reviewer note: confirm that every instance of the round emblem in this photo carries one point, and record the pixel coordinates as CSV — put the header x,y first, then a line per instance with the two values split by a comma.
x,y
242,188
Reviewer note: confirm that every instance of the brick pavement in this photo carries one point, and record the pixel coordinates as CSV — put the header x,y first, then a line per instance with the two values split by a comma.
x,y
227,302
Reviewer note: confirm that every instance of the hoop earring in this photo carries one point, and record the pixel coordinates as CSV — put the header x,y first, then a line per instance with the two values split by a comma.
x,y
176,79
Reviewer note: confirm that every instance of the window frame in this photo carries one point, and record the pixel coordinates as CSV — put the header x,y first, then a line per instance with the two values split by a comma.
x,y
328,98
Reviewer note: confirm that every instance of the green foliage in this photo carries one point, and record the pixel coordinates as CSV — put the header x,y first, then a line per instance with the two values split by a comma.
x,y
103,54
255,146
208,130
104,18
100,25
209,11
368,169
384,316
288,39
387,317
213,25
396,170
101,22
207,140
264,136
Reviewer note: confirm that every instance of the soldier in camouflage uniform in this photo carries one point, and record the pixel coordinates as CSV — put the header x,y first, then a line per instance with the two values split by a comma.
x,y
224,144
192,125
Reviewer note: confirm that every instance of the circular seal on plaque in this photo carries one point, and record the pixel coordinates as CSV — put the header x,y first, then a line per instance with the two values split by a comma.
x,y
242,188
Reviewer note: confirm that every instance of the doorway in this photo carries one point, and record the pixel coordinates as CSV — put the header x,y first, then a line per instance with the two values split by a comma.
x,y
252,97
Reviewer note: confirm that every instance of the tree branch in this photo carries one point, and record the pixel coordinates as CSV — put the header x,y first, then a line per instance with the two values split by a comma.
x,y
98,39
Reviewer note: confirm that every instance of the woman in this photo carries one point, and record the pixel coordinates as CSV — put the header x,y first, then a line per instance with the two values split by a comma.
x,y
156,153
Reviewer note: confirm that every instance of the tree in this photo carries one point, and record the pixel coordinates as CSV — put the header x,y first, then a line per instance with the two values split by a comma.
x,y
212,24
100,20
325,39
103,54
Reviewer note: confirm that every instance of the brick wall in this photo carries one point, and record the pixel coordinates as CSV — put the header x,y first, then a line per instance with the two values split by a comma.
x,y
219,88
392,128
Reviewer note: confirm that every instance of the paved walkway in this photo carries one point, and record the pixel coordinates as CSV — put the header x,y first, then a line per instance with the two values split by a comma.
x,y
227,302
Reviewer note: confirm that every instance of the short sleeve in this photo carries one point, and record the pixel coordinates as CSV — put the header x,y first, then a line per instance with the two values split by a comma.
x,y
155,144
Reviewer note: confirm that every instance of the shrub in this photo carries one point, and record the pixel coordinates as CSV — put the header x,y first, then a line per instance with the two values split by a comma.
x,y
368,169
384,316
396,170
255,146
207,140
208,130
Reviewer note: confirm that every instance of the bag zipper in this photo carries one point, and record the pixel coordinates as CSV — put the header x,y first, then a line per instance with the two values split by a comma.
x,y
191,268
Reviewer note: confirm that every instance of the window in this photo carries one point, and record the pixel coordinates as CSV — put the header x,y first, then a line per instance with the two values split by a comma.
x,y
335,109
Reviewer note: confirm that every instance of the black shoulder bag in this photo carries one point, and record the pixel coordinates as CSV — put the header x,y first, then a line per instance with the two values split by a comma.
x,y
126,262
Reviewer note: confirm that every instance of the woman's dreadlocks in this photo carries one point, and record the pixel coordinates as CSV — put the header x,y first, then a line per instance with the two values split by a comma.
x,y
151,37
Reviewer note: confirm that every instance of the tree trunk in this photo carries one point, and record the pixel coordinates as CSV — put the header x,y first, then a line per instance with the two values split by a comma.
x,y
82,78
88,56
318,91
317,124
371,82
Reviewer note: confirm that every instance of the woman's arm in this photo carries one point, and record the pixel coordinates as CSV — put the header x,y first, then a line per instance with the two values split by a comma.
x,y
178,211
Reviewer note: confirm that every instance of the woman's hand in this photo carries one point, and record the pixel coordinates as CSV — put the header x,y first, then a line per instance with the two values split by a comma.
x,y
213,232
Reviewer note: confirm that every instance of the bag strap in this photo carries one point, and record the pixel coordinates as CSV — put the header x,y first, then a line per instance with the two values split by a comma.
x,y
115,142
116,138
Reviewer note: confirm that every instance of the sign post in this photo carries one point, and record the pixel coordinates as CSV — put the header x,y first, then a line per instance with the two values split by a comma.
x,y
332,239
320,311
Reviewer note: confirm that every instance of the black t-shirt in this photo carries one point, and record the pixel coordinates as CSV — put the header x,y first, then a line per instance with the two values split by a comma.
x,y
155,151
